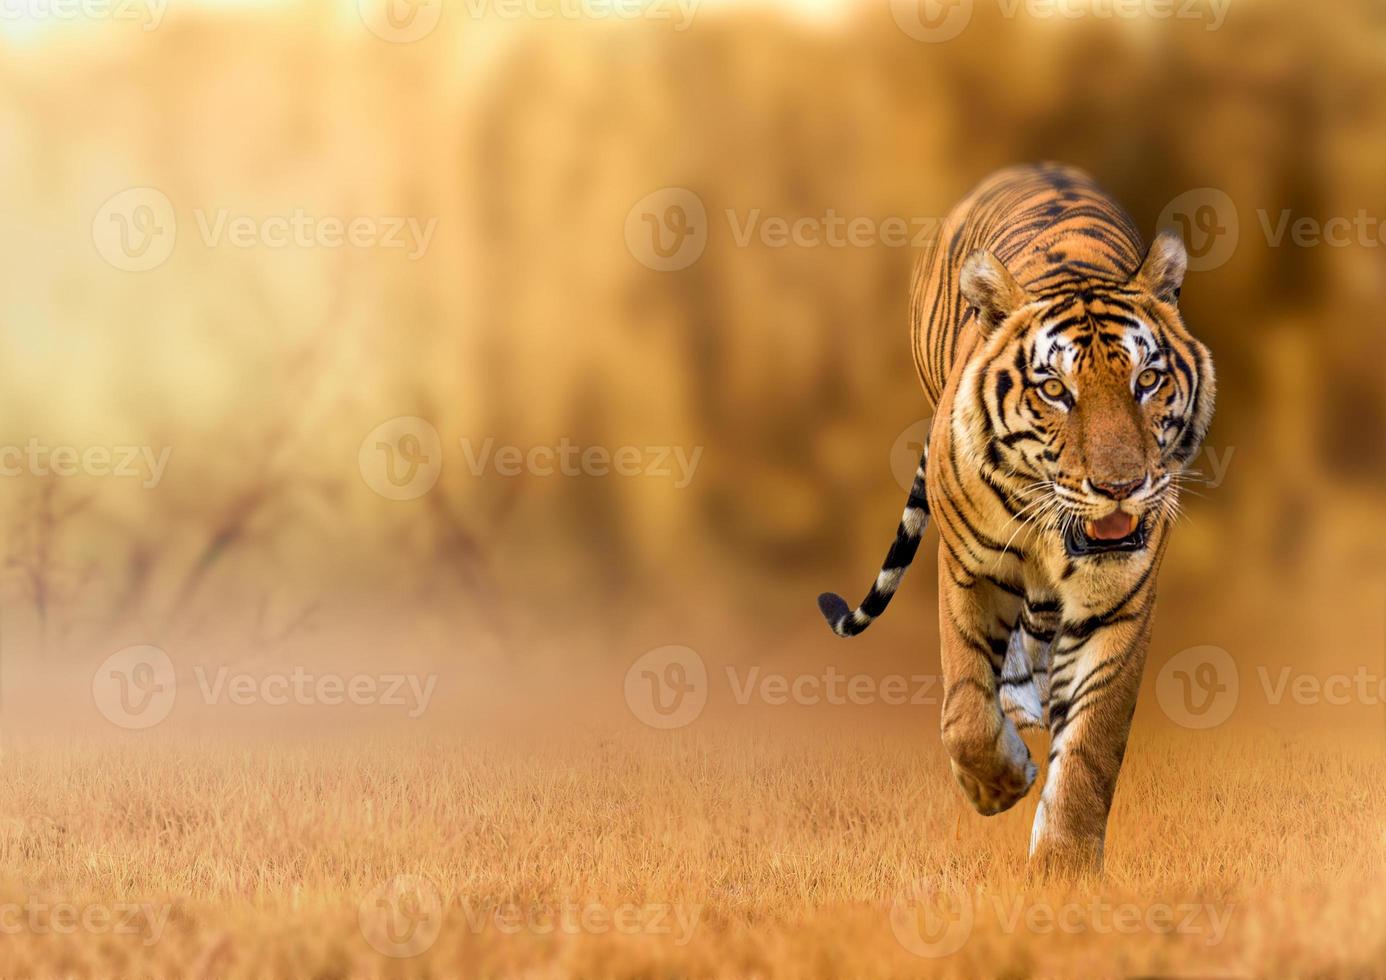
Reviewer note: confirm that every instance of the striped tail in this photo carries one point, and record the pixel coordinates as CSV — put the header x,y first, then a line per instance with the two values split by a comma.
x,y
847,621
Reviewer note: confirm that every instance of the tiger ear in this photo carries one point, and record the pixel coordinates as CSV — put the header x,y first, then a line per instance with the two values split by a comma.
x,y
990,289
1162,273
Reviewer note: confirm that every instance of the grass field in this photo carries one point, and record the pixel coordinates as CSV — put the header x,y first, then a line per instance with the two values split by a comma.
x,y
752,852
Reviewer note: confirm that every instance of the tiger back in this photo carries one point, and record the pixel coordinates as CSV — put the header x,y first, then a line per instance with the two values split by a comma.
x,y
1050,224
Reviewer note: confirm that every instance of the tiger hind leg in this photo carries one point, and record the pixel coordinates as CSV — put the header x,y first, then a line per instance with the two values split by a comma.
x,y
1018,689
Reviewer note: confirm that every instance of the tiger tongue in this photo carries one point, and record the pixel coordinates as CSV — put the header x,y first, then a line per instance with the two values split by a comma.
x,y
1115,526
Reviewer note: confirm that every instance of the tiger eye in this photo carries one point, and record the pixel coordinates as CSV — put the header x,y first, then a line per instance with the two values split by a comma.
x,y
1148,378
1054,388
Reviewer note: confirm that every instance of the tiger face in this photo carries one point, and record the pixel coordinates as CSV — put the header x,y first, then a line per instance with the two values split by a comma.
x,y
1092,398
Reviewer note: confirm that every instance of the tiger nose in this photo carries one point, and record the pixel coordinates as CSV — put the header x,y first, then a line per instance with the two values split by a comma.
x,y
1118,490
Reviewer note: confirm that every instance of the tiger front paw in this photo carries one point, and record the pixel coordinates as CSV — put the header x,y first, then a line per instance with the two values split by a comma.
x,y
998,790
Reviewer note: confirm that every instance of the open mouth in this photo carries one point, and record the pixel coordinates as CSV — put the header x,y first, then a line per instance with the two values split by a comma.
x,y
1118,531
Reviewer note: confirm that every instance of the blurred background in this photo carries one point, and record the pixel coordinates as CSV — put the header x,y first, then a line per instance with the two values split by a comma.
x,y
342,293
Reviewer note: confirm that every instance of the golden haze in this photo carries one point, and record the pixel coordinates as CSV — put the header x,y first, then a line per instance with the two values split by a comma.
x,y
506,289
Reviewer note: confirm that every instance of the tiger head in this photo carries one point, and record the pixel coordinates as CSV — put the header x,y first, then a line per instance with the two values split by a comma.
x,y
1093,394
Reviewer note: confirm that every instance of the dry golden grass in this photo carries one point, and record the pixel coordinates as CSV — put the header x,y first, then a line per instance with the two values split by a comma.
x,y
748,853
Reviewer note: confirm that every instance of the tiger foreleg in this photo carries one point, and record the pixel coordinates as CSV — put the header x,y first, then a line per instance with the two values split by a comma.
x,y
990,760
1096,676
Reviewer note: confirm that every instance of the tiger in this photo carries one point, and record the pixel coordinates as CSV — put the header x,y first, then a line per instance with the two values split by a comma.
x,y
1069,398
